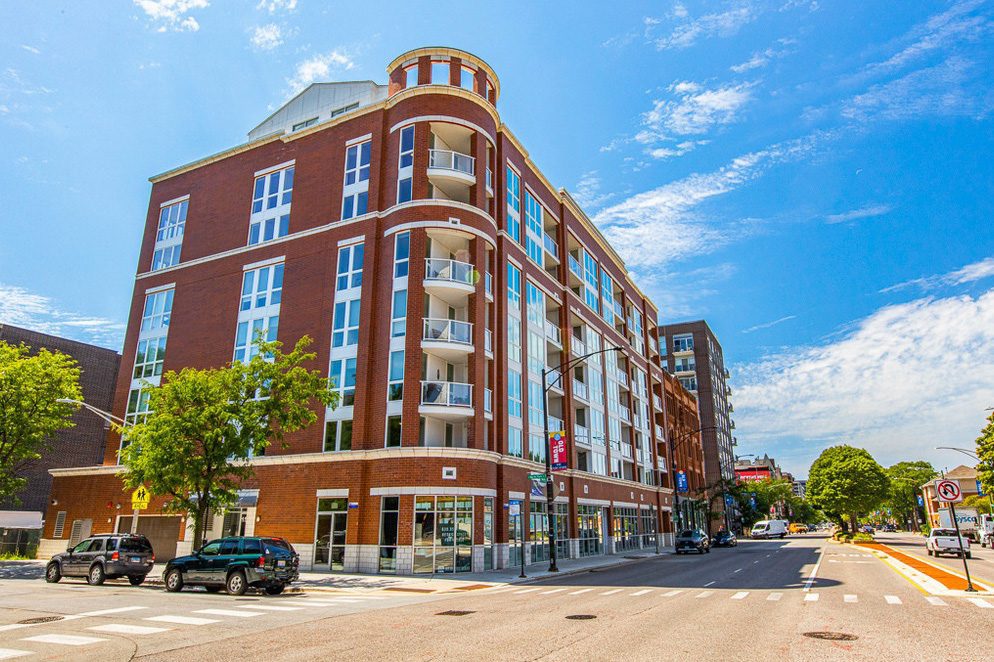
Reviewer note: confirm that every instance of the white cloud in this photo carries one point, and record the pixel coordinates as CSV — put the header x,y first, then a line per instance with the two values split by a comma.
x,y
696,110
680,295
760,59
767,325
971,273
318,68
266,37
20,307
676,150
30,49
722,24
172,14
274,6
868,211
588,192
955,25
899,382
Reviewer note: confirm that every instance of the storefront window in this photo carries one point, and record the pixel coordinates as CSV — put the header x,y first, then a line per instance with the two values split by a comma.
x,y
488,533
588,529
625,529
443,534
538,531
389,518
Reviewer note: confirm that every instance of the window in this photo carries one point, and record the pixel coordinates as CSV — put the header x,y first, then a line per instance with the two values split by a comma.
x,y
169,236
271,228
149,358
514,446
440,72
158,309
467,79
303,125
514,393
350,260
533,229
344,109
389,524
398,323
270,216
355,194
513,285
535,404
393,431
513,204
395,388
342,376
401,254
536,353
536,449
337,436
607,294
535,306
345,328
411,76
590,282
151,351
137,406
513,339
689,383
404,167
443,534
683,343
262,287
249,330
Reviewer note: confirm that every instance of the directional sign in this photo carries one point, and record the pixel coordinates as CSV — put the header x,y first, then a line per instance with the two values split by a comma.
x,y
536,476
948,491
140,499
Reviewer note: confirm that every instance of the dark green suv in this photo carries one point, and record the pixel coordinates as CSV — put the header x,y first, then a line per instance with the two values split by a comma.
x,y
235,564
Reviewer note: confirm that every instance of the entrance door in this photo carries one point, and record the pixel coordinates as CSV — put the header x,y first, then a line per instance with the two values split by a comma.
x,y
329,541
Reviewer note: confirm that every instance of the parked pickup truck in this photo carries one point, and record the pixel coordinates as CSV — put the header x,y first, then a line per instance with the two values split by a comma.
x,y
943,541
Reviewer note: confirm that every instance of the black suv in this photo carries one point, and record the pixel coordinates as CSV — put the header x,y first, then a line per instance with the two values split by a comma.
x,y
693,540
724,539
235,564
101,557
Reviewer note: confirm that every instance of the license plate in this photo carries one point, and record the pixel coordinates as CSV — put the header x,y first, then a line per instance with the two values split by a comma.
x,y
281,563
136,559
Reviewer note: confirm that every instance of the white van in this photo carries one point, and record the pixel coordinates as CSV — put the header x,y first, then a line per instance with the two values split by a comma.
x,y
772,528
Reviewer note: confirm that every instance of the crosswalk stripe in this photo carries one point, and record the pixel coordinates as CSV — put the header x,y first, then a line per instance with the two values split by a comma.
x,y
892,599
741,595
670,594
555,590
227,612
617,590
642,592
774,597
271,607
11,653
123,628
980,602
309,603
527,590
811,597
849,597
703,594
182,620
938,602
63,639
582,590
105,612
349,600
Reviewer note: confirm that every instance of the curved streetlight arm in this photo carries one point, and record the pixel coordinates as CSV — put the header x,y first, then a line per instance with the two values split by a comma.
x,y
563,368
959,450
105,415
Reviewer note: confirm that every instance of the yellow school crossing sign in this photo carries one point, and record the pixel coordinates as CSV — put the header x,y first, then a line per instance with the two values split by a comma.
x,y
140,499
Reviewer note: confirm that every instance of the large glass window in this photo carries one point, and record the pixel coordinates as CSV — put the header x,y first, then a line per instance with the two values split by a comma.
x,y
262,287
350,260
443,534
535,305
345,331
395,388
513,285
440,72
355,196
607,294
342,375
389,524
149,358
337,436
533,225
329,541
169,235
401,254
404,167
266,328
513,339
467,78
513,204
271,199
625,529
589,529
538,531
258,309
514,393
515,446
393,432
158,309
398,318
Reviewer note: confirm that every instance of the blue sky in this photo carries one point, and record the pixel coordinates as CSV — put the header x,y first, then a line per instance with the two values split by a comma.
x,y
812,178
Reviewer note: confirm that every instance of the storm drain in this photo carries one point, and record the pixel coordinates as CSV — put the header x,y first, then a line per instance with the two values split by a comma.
x,y
831,636
580,617
455,612
41,619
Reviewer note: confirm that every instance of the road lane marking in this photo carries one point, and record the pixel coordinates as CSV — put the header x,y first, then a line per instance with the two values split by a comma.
x,y
811,597
123,628
271,607
938,602
703,594
555,590
527,590
642,592
105,612
849,597
582,590
740,595
814,573
670,594
710,583
980,602
309,603
774,596
739,570
755,562
182,620
228,612
617,590
11,653
892,599
63,639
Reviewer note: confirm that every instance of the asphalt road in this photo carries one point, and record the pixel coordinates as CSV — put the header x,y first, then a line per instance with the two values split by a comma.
x,y
981,565
757,601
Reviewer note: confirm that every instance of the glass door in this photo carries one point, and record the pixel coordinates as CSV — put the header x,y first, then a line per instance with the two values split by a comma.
x,y
329,536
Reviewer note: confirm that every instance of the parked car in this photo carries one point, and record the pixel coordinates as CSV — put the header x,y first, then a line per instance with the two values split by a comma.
x,y
235,564
944,541
797,527
889,528
102,557
693,540
773,528
724,539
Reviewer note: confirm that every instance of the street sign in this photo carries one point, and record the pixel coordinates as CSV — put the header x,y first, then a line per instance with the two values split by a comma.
x,y
948,490
514,509
921,500
681,482
140,499
557,445
536,476
353,505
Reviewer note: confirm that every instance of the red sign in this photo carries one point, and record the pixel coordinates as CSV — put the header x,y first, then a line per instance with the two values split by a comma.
x,y
948,490
557,446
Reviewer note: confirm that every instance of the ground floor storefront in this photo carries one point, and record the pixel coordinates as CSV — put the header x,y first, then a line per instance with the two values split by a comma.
x,y
401,511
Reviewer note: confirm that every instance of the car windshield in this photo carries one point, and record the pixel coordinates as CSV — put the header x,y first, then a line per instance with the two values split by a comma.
x,y
943,532
279,542
135,545
687,534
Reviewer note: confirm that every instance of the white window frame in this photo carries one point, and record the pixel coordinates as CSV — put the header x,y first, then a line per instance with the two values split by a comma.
x,y
359,186
169,233
405,164
272,195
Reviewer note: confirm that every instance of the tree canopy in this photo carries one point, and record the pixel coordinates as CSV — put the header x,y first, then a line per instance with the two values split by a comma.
x,y
847,481
985,450
30,387
906,479
204,426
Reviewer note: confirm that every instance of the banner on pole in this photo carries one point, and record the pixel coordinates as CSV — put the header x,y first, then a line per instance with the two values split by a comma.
x,y
557,446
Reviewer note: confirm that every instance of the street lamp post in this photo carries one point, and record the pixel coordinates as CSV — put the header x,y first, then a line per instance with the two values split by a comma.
x,y
968,453
673,446
549,501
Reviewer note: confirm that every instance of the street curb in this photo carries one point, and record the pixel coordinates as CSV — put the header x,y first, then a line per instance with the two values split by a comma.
x,y
579,571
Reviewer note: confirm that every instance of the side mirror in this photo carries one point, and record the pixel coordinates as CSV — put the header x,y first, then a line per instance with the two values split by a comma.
x,y
69,549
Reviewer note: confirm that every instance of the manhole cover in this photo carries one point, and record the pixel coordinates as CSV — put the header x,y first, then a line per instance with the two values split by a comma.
x,y
42,619
454,612
831,636
580,617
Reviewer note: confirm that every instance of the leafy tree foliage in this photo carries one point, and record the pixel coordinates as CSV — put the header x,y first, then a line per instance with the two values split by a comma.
x,y
204,426
846,482
30,386
906,479
985,450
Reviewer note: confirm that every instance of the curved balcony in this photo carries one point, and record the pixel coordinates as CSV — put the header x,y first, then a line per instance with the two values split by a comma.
x,y
448,165
452,401
450,340
449,280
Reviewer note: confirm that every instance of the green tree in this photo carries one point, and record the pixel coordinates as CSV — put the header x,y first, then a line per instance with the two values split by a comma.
x,y
906,479
985,451
764,494
981,503
30,387
846,482
204,427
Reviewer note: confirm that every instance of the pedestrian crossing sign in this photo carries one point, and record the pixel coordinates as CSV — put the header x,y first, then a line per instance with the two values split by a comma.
x,y
140,499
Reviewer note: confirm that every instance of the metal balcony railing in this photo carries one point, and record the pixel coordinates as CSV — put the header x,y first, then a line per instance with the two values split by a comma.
x,y
488,397
488,284
437,268
553,333
446,330
581,435
488,341
580,390
446,394
578,346
574,266
446,159
550,245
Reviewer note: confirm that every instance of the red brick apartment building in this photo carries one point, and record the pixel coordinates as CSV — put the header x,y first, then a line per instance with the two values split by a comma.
x,y
407,231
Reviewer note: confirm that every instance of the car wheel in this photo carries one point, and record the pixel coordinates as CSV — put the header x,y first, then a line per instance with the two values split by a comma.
x,y
275,589
969,555
96,575
707,550
213,589
700,550
136,580
237,585
174,580
53,573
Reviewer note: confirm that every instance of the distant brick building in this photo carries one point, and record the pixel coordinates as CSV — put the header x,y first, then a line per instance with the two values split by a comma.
x,y
762,468
79,446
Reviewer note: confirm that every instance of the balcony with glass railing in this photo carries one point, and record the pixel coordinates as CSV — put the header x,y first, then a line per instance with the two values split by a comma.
x,y
488,285
659,433
553,379
449,163
622,378
580,390
550,246
553,334
581,435
625,415
490,182
447,400
488,342
577,346
657,403
450,280
448,339
626,450
556,424
488,397
575,268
